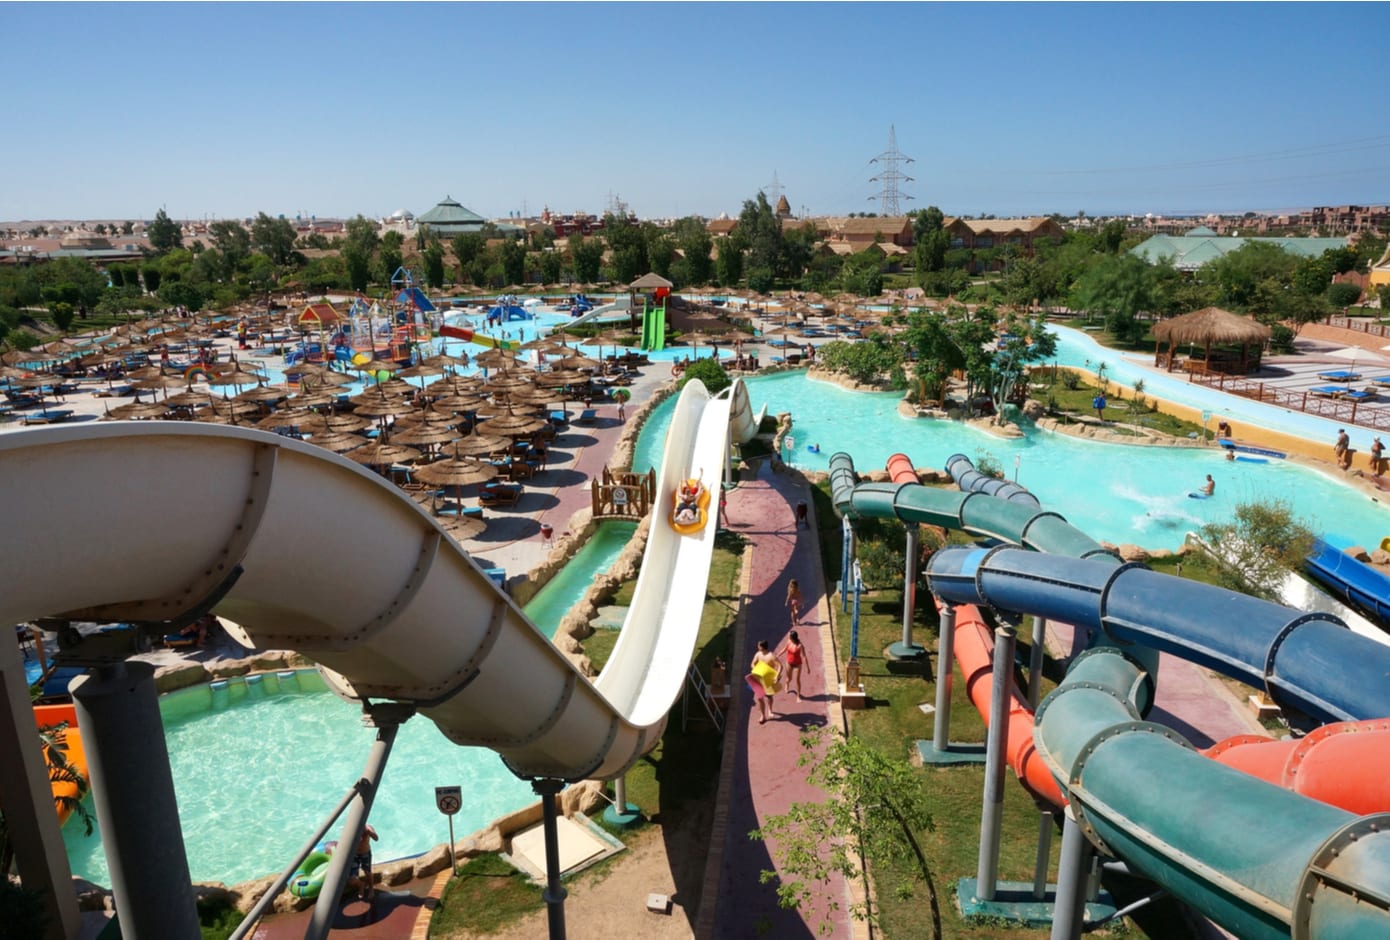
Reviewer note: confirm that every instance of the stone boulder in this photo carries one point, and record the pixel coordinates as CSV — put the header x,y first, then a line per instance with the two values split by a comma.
x,y
1359,553
1380,557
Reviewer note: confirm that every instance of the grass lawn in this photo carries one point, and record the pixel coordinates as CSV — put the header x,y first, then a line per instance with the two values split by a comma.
x,y
1137,409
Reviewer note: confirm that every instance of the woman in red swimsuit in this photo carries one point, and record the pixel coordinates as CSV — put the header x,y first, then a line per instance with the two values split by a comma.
x,y
796,658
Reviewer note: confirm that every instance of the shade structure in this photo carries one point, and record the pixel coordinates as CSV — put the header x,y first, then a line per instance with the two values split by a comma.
x,y
335,423
263,393
493,358
192,398
454,385
508,381
383,454
136,410
374,404
312,398
456,472
337,441
512,424
425,434
459,403
461,527
288,418
561,377
1208,326
235,377
447,361
475,445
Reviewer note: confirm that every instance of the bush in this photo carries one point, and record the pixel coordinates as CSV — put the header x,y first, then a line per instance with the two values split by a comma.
x,y
708,371
1343,295
1280,339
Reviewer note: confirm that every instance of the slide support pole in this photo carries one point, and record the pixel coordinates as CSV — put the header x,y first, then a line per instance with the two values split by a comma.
x,y
1073,871
946,639
907,649
133,792
991,819
1035,661
387,717
1045,823
554,888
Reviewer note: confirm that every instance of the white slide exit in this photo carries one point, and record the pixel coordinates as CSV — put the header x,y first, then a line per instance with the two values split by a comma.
x,y
141,520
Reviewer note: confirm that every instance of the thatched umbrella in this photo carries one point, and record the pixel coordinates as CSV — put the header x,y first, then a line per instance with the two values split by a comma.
x,y
577,361
494,358
461,527
477,445
513,424
1208,326
383,454
135,411
288,418
337,441
454,385
456,472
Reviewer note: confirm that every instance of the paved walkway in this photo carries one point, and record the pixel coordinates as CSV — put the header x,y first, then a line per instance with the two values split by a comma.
x,y
761,777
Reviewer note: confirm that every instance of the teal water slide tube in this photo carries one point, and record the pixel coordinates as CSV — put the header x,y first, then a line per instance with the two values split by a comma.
x,y
1257,859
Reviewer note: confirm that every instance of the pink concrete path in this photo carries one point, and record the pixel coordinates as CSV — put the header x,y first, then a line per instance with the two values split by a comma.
x,y
765,780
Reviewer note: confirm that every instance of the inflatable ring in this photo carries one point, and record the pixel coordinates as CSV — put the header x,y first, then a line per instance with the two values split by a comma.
x,y
676,368
702,511
307,882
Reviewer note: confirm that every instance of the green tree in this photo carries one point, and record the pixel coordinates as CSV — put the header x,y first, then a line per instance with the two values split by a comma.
x,y
1023,342
761,231
1343,294
182,294
232,239
1118,288
708,371
433,257
127,228
152,277
729,264
935,354
862,273
391,258
363,233
867,361
875,804
695,242
1264,542
467,247
511,255
661,252
587,255
930,241
1238,274
628,245
273,238
63,314
163,233
551,264
357,266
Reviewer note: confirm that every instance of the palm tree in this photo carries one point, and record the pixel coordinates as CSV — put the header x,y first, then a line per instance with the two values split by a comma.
x,y
66,803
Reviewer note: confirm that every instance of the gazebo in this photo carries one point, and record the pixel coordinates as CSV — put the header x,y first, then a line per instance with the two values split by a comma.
x,y
1212,326
320,316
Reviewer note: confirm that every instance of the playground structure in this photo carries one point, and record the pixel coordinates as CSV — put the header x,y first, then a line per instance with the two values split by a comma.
x,y
366,332
1266,838
654,325
415,627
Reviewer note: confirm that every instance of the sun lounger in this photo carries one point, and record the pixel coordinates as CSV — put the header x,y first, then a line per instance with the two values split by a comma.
x,y
1327,391
48,417
1359,394
1380,380
499,494
587,416
1339,375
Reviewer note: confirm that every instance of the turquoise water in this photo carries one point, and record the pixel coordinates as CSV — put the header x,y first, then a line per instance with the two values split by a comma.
x,y
246,807
570,585
1112,492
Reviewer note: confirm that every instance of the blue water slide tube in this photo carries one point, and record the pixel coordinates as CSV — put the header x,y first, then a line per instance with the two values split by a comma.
x,y
1307,661
1353,581
963,471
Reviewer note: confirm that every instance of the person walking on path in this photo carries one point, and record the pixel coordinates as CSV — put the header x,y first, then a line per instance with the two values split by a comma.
x,y
1098,403
802,520
793,600
767,669
796,659
1339,450
1377,457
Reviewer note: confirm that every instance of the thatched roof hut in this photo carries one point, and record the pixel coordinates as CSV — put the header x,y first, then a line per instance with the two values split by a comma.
x,y
1211,326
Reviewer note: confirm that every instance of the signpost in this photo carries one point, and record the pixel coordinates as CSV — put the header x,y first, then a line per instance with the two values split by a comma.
x,y
449,800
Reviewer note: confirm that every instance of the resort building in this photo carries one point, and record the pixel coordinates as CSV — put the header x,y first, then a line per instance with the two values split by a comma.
x,y
1380,272
449,218
1201,245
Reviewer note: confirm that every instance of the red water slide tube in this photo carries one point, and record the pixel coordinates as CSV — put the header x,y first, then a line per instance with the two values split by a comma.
x,y
1346,764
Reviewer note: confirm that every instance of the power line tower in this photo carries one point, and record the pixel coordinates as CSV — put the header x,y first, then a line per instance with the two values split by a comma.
x,y
773,189
890,177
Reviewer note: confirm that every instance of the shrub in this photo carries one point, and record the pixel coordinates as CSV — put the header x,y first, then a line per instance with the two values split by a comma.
x,y
1343,295
708,371
1281,339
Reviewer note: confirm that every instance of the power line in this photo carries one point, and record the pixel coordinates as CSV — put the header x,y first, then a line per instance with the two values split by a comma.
x,y
890,177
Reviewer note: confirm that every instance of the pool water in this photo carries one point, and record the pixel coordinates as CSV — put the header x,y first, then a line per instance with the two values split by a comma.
x,y
246,807
1112,492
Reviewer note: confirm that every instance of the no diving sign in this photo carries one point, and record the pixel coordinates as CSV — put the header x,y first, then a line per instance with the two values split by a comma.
x,y
448,799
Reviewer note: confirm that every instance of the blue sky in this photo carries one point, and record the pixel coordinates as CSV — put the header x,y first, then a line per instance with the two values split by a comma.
x,y
225,110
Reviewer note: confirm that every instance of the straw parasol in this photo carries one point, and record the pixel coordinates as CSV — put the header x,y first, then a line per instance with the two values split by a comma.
x,y
458,472
135,411
263,393
383,454
287,418
477,445
461,527
493,358
513,424
337,441
577,361
507,381
1208,326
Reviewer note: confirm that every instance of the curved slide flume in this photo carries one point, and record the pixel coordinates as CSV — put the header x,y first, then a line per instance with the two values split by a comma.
x,y
141,520
1260,860
1351,580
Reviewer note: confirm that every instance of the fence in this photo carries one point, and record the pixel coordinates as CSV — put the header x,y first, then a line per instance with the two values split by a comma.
x,y
1334,409
1367,325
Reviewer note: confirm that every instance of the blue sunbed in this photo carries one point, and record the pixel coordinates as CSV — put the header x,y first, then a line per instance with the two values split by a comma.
x,y
1340,375
1328,391
587,416
1359,394
1380,380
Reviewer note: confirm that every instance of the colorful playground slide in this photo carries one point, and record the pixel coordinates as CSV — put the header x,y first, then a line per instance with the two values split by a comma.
x,y
481,339
653,328
380,597
1262,860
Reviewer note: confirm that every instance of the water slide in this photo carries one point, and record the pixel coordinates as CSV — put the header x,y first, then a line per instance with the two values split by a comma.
x,y
653,328
619,309
468,335
1262,859
318,555
1354,581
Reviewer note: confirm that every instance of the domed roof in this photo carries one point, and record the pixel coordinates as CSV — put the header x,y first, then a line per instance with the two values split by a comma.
x,y
450,212
402,214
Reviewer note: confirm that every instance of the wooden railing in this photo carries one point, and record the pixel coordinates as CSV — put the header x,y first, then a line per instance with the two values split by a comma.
x,y
1369,326
1334,409
625,495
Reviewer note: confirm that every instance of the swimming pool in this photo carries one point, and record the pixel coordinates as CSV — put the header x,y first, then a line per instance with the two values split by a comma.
x,y
1112,492
245,807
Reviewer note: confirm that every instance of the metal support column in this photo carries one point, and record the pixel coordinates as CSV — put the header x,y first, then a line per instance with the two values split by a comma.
x,y
555,893
1035,660
133,792
1045,825
1073,871
945,655
387,718
907,649
28,800
992,816
621,812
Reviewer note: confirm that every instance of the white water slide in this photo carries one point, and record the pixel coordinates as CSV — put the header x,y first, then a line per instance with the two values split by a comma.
x,y
619,309
140,521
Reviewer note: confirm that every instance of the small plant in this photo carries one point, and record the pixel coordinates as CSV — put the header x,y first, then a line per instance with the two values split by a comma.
x,y
989,465
1071,381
